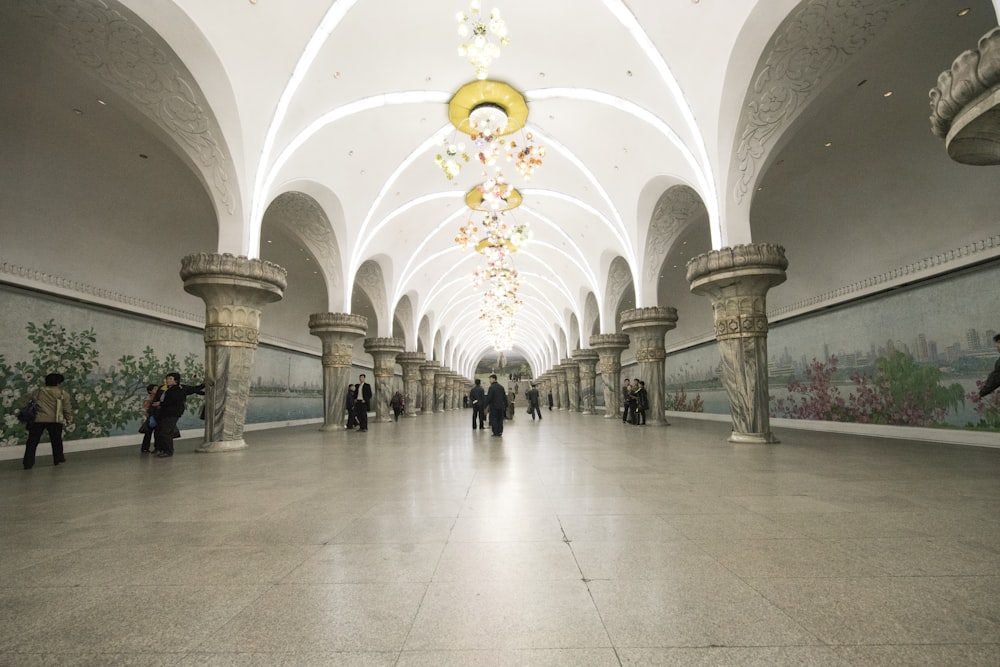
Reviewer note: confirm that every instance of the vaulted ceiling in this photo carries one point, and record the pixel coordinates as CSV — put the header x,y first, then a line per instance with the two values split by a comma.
x,y
671,128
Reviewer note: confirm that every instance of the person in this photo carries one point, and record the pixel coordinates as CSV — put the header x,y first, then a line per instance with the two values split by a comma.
x,y
633,403
54,411
352,395
496,402
532,396
361,402
550,400
168,408
147,405
477,397
641,403
993,379
396,403
626,399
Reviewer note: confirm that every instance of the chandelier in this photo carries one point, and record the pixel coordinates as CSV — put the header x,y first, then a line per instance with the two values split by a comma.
x,y
483,37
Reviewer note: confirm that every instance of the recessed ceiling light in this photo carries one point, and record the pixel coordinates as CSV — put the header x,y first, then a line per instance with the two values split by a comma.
x,y
78,112
336,75
887,93
269,241
102,102
963,12
541,74
628,72
828,144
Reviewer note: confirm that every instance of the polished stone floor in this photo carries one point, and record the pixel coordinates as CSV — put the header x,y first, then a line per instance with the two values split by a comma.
x,y
574,541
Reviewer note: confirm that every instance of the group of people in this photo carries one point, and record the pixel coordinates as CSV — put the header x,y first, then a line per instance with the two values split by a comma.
x,y
359,398
492,402
635,401
163,407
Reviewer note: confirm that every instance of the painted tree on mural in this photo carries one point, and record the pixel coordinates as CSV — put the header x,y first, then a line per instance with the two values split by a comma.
x,y
103,400
987,407
900,392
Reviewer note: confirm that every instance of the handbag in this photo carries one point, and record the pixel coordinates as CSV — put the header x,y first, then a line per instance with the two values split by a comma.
x,y
145,427
530,410
28,413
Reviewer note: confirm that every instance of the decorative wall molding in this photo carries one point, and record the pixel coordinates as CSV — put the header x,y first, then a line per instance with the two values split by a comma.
x,y
117,47
41,281
812,45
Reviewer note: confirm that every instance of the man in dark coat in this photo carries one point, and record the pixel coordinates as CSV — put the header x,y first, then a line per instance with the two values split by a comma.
x,y
993,379
361,403
496,402
169,407
532,396
477,398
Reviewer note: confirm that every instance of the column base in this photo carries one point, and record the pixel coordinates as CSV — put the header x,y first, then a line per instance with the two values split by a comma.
x,y
753,438
222,446
331,428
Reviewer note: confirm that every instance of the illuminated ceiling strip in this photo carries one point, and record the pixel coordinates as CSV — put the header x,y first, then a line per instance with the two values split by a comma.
x,y
331,20
620,11
705,180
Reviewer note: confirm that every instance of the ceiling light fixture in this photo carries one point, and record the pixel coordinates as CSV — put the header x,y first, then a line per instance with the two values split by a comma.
x,y
484,36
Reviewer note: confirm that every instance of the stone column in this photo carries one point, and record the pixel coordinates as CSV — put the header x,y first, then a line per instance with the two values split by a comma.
x,y
440,389
572,370
646,328
452,391
587,361
338,333
234,290
428,372
561,394
384,352
609,348
737,280
411,363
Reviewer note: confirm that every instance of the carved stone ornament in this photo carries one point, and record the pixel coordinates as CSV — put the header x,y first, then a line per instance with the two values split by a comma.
x,y
119,48
965,104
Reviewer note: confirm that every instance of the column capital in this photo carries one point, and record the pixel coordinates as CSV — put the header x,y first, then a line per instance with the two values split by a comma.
x,y
585,356
609,342
215,277
759,265
349,323
412,358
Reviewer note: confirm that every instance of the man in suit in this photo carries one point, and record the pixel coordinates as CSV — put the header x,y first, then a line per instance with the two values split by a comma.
x,y
361,403
496,402
477,397
532,396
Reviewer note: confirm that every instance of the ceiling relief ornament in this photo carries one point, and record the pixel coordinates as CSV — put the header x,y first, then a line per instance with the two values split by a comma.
x,y
619,280
677,207
369,279
404,313
304,219
812,45
127,55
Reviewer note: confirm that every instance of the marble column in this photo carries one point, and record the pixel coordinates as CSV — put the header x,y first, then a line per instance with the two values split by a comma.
x,y
587,361
338,332
411,363
384,352
737,280
609,348
572,370
646,328
428,372
460,390
561,393
234,290
440,389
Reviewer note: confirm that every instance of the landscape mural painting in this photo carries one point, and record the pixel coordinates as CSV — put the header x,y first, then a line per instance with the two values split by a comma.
x,y
915,356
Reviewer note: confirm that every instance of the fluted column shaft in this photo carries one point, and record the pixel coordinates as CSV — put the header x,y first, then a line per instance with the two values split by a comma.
x,y
411,363
572,370
384,352
559,385
234,290
646,328
737,280
609,348
587,361
428,373
338,332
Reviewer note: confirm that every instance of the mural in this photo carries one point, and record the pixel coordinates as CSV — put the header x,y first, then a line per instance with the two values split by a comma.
x,y
108,357
915,356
